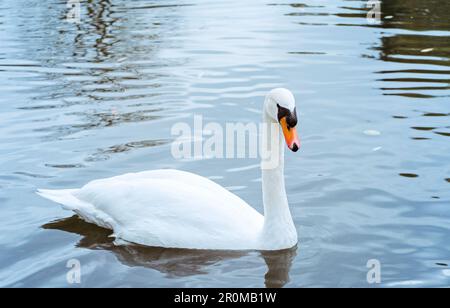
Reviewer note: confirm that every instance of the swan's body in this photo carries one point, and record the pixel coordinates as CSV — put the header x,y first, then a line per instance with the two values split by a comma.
x,y
165,208
177,209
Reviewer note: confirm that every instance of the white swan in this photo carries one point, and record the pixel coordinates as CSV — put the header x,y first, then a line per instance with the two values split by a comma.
x,y
177,209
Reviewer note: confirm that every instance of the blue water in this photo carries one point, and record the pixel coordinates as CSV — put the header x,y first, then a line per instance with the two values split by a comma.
x,y
97,99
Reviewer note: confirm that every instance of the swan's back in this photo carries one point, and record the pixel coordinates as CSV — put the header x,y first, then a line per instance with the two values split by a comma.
x,y
166,208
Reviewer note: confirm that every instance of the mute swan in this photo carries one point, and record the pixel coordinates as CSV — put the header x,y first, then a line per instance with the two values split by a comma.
x,y
177,209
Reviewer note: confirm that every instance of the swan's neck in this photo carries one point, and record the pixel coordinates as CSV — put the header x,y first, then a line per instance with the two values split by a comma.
x,y
279,229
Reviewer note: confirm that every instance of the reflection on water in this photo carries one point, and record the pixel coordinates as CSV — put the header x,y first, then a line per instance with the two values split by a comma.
x,y
173,262
98,99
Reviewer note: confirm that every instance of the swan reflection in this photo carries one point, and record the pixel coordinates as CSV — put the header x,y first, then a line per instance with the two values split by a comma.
x,y
171,261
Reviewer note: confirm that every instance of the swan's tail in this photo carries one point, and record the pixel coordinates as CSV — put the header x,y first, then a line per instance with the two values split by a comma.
x,y
65,197
69,201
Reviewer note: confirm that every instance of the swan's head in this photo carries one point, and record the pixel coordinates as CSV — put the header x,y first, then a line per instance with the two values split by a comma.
x,y
280,106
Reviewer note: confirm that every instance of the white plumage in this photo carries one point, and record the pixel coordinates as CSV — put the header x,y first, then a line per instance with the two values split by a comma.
x,y
165,208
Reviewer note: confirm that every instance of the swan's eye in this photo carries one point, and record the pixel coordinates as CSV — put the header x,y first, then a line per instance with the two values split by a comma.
x,y
291,116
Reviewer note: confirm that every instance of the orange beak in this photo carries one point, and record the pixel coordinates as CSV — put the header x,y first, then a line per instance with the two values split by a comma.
x,y
290,135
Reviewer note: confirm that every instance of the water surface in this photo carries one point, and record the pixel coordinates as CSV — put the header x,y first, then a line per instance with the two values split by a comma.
x,y
97,99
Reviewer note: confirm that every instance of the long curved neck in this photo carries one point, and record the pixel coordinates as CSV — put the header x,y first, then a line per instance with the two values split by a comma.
x,y
278,228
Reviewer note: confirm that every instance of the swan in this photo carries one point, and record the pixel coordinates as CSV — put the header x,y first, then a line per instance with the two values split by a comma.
x,y
178,209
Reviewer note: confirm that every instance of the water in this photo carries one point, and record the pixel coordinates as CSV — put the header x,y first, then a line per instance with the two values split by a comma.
x,y
97,99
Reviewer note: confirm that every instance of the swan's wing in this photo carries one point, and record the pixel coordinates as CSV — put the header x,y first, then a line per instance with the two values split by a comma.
x,y
171,208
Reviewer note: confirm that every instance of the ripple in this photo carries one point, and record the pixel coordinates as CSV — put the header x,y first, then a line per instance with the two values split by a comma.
x,y
445,134
406,283
408,175
307,53
155,6
65,166
33,175
423,128
436,114
244,168
104,154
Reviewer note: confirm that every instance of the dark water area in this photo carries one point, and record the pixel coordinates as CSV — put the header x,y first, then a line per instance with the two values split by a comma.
x,y
88,100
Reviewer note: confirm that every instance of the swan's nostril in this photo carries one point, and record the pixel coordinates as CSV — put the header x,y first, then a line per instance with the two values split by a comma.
x,y
294,147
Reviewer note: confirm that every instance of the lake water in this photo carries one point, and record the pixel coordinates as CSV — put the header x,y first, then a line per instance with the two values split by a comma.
x,y
88,100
